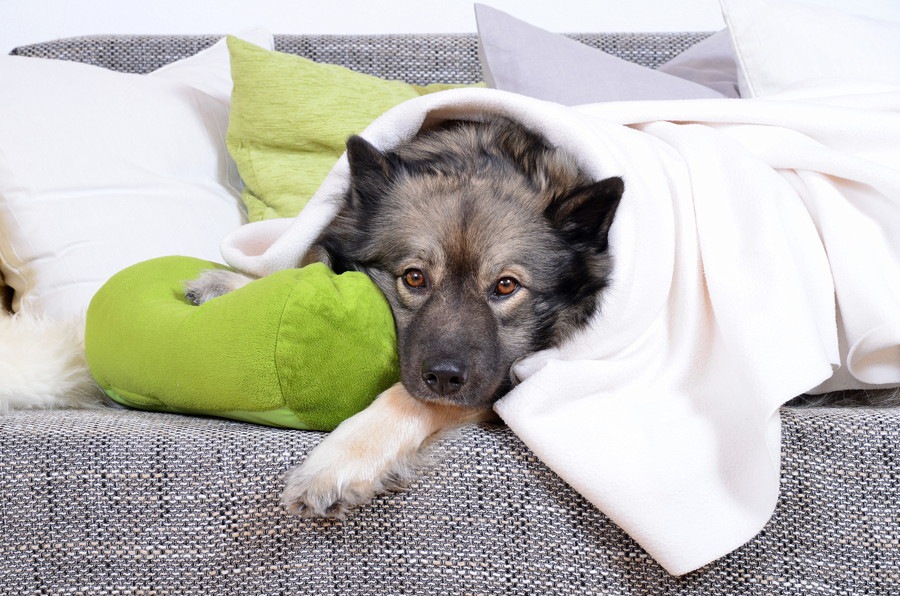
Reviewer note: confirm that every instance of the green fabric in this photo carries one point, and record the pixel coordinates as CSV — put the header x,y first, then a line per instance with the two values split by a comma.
x,y
290,119
301,348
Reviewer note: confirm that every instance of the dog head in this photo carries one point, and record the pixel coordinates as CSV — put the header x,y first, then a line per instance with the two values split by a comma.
x,y
488,244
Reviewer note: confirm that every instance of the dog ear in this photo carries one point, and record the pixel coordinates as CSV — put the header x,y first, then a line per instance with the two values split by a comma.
x,y
371,172
585,215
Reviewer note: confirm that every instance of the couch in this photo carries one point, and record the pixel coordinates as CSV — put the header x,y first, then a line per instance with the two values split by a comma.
x,y
112,501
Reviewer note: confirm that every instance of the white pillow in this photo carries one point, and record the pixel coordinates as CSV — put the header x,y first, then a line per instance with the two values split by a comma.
x,y
100,170
210,70
782,45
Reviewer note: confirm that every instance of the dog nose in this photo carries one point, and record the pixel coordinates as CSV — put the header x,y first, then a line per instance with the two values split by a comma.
x,y
444,376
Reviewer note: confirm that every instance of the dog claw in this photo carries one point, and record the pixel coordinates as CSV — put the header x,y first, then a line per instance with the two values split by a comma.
x,y
336,510
318,495
299,509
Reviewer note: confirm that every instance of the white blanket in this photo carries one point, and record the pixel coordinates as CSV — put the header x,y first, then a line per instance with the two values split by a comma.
x,y
742,220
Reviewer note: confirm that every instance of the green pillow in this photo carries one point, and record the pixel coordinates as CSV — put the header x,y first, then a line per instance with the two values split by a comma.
x,y
301,348
290,119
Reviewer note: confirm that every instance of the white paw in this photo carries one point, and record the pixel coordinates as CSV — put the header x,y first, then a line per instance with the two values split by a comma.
x,y
377,450
373,452
340,475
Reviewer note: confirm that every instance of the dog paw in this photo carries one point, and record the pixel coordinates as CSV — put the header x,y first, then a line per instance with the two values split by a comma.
x,y
334,481
377,450
373,452
311,494
214,283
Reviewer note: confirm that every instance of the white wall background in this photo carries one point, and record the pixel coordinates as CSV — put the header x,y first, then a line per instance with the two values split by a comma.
x,y
29,21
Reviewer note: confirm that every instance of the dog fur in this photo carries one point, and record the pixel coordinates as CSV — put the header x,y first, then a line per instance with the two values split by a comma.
x,y
42,365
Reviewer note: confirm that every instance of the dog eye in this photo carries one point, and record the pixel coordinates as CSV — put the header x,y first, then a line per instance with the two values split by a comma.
x,y
506,286
414,278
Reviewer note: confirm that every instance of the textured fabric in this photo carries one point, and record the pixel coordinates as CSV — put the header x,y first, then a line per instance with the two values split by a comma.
x,y
303,349
418,59
102,503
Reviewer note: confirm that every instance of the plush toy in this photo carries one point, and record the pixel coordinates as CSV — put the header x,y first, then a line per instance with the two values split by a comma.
x,y
302,348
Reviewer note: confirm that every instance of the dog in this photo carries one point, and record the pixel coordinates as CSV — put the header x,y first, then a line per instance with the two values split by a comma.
x,y
489,245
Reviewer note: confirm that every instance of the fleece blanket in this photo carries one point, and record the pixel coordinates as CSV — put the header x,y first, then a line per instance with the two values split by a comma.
x,y
757,253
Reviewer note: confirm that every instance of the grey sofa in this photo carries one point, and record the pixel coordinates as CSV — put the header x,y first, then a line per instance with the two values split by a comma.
x,y
123,502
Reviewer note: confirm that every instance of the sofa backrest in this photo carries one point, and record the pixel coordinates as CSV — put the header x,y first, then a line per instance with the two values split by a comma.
x,y
420,59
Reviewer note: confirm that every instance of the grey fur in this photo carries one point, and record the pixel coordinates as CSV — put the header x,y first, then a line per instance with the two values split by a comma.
x,y
472,207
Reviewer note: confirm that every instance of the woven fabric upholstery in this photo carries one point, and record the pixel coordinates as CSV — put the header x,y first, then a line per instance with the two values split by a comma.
x,y
120,502
135,503
419,59
124,53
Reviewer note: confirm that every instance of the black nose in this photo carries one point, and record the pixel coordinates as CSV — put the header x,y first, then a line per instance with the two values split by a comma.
x,y
444,376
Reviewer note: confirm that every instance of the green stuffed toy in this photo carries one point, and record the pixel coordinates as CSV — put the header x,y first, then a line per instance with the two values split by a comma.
x,y
301,348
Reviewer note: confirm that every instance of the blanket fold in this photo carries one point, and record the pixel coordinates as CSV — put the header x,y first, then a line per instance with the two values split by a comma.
x,y
757,256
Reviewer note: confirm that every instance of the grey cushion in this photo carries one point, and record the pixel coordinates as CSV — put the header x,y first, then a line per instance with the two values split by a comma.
x,y
710,63
519,57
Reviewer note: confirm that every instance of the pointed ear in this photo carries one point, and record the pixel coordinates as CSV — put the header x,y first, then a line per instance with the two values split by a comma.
x,y
585,215
371,171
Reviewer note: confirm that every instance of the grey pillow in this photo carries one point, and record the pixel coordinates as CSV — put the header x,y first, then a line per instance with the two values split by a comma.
x,y
709,63
519,57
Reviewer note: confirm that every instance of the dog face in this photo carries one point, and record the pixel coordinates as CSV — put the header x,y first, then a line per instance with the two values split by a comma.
x,y
488,244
